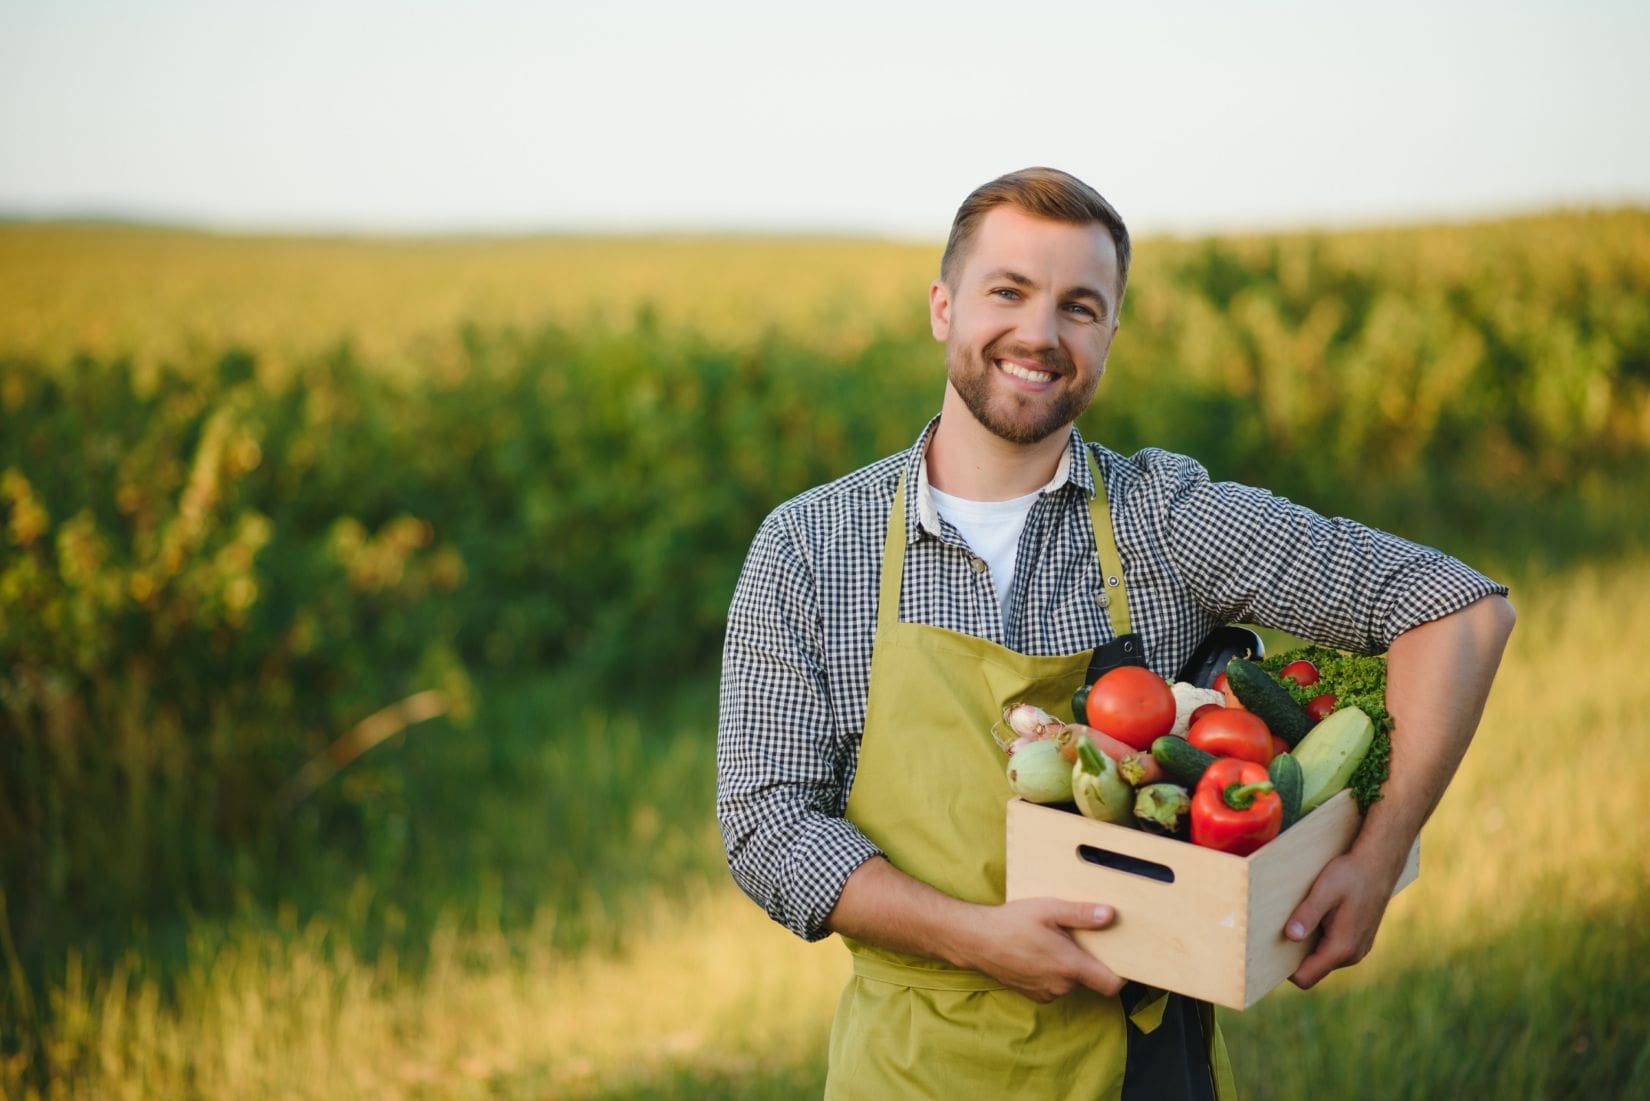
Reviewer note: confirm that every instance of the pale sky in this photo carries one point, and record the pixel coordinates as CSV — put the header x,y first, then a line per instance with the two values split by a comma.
x,y
843,117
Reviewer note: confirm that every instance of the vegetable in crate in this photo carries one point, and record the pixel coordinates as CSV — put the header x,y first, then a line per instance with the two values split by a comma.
x,y
1132,704
1038,773
1180,760
1023,723
1331,754
1265,697
1189,699
1163,808
1349,680
1229,732
1097,787
1289,782
1235,808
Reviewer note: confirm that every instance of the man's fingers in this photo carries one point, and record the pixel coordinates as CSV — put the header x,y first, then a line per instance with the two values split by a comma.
x,y
1309,914
1084,967
1097,976
1312,968
1085,915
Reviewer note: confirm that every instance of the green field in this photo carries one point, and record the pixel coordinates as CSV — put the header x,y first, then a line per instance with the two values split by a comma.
x,y
255,491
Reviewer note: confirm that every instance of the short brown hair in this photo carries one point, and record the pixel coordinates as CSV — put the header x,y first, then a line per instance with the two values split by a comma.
x,y
1043,192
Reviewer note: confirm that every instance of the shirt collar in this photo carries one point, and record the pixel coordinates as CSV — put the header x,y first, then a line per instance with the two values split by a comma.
x,y
921,515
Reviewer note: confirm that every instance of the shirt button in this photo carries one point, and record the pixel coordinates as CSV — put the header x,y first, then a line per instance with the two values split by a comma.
x,y
1104,599
978,563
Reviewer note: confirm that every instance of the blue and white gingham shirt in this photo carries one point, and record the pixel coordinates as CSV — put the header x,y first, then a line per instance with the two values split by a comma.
x,y
1197,554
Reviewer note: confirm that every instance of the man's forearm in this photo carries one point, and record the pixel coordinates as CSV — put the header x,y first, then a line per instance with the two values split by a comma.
x,y
881,905
1026,945
1438,679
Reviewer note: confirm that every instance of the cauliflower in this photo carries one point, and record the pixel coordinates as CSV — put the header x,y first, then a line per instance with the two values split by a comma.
x,y
1188,698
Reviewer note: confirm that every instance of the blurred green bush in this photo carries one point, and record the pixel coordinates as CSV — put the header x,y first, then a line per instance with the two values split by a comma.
x,y
211,571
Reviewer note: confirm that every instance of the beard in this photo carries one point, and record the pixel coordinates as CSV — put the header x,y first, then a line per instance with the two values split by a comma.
x,y
1014,417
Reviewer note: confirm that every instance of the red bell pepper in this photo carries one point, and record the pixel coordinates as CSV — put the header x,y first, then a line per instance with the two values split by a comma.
x,y
1235,809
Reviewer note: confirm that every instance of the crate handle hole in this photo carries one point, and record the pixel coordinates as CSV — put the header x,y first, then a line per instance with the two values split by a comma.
x,y
1122,862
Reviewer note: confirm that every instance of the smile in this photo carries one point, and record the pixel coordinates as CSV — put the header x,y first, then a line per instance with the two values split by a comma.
x,y
1029,374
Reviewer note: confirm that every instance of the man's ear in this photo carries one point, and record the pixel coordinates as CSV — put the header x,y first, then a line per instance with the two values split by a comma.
x,y
939,309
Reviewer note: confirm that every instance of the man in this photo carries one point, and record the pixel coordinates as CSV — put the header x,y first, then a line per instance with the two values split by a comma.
x,y
882,621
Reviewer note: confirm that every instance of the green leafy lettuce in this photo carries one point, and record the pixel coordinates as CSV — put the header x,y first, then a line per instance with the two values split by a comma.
x,y
1355,680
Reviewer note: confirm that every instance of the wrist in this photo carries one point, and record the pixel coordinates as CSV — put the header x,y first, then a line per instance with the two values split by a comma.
x,y
1384,841
959,937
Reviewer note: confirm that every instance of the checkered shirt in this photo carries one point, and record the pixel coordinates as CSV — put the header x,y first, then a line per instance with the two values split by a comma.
x,y
1197,554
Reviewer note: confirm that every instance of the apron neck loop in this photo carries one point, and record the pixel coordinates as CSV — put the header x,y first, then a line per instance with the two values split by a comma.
x,y
1114,595
1114,591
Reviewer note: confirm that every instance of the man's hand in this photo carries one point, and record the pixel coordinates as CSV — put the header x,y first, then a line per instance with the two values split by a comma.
x,y
1026,944
1348,900
1438,676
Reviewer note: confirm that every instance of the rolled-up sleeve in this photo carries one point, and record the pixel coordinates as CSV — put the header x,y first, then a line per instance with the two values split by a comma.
x,y
782,766
1253,557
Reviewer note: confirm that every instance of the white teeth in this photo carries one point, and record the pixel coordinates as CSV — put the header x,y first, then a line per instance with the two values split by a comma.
x,y
1025,372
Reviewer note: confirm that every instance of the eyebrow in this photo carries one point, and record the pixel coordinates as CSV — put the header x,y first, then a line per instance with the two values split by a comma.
x,y
1008,275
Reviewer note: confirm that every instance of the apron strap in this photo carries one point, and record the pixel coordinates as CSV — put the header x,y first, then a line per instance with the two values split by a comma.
x,y
893,562
1114,597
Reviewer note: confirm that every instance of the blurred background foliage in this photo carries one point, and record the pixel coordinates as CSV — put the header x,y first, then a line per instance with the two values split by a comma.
x,y
257,494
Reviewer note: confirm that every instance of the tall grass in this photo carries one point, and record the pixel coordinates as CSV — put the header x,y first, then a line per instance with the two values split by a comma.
x,y
1512,968
254,492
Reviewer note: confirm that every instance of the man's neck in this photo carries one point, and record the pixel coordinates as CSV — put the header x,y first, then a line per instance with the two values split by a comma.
x,y
968,460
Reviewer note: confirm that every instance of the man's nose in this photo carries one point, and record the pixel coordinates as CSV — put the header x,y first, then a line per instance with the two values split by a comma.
x,y
1039,325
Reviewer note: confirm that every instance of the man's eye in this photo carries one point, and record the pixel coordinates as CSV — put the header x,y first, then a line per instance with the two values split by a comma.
x,y
1006,293
1078,307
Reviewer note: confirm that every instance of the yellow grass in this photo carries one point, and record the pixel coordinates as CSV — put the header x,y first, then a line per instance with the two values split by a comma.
x,y
289,1014
164,295
1547,816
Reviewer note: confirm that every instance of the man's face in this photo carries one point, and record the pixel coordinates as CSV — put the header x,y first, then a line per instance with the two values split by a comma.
x,y
1028,322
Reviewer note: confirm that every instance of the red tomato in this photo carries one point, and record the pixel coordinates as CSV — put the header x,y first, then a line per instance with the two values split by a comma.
x,y
1302,673
1225,689
1232,733
1201,710
1319,707
1278,746
1132,704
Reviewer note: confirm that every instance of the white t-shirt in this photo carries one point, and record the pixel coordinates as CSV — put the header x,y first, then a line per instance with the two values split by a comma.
x,y
991,528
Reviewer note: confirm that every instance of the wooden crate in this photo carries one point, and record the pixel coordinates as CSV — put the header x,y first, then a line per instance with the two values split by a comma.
x,y
1202,923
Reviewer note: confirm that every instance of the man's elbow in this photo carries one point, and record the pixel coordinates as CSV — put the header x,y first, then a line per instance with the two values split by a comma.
x,y
1498,617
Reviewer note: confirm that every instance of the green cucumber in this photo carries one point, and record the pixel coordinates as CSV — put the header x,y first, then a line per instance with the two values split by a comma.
x,y
1332,753
1268,701
1289,782
1080,704
1182,761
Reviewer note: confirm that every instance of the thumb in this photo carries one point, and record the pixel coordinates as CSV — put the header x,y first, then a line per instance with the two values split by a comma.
x,y
1309,914
1084,915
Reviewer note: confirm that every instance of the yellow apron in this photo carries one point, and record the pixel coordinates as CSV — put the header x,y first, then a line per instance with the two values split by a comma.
x,y
930,791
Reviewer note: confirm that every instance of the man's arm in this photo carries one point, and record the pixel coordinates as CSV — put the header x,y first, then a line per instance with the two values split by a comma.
x,y
1438,678
1026,945
782,766
781,786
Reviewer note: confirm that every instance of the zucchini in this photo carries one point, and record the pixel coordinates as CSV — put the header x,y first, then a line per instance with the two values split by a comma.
x,y
1182,761
1332,753
1268,700
1289,782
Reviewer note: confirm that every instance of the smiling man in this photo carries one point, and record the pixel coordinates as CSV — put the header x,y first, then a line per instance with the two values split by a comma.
x,y
882,621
